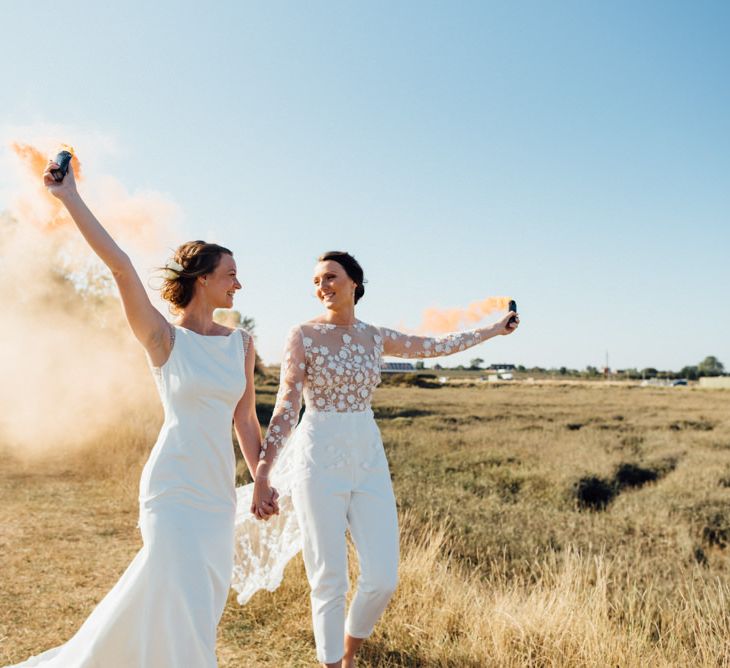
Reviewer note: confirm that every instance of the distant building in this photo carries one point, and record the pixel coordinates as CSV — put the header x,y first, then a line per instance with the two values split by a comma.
x,y
397,367
501,367
496,377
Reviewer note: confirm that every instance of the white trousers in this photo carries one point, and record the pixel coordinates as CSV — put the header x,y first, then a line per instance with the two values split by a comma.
x,y
342,481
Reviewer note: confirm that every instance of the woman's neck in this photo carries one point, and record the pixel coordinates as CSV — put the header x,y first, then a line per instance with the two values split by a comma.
x,y
198,316
345,316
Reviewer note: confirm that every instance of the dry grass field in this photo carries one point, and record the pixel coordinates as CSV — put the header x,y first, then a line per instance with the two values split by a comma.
x,y
542,525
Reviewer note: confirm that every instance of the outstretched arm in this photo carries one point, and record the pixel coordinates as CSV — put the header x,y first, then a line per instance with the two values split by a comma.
x,y
398,344
147,323
284,418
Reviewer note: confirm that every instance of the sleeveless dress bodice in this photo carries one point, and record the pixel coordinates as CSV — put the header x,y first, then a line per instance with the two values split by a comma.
x,y
193,461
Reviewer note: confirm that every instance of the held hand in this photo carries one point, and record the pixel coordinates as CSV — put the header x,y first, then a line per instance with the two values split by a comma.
x,y
64,189
269,507
504,326
265,500
275,500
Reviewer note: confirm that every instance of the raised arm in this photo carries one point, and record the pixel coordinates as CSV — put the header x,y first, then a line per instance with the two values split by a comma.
x,y
245,420
146,322
398,344
284,418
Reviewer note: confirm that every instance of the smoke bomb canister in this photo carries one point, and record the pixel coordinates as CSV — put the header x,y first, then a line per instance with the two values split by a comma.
x,y
63,160
512,306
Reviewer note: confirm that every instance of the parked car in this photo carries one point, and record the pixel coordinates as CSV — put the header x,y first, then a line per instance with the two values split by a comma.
x,y
679,381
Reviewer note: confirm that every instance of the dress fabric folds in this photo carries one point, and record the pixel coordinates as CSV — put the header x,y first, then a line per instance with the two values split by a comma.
x,y
164,610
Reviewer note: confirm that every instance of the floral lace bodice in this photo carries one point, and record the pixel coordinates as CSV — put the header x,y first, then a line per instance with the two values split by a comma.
x,y
337,368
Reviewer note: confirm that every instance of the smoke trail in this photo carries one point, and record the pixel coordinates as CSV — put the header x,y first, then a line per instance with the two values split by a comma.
x,y
439,321
70,367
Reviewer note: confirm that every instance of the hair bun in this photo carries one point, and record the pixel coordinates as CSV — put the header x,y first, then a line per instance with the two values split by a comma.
x,y
352,269
196,258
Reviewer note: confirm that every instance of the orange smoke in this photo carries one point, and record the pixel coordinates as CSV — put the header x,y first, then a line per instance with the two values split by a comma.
x,y
140,221
73,380
34,160
437,320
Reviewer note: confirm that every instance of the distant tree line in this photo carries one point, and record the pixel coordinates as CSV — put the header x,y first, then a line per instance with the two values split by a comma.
x,y
710,366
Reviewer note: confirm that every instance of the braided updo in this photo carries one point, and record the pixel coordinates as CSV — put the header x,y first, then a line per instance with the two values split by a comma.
x,y
196,258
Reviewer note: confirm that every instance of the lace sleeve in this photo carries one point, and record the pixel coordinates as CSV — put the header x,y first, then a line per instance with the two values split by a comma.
x,y
288,398
398,344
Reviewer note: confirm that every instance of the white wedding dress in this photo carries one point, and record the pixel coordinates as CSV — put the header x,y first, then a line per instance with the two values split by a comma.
x,y
164,610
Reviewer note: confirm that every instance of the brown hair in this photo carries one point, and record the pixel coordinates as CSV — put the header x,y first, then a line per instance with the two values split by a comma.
x,y
352,268
197,258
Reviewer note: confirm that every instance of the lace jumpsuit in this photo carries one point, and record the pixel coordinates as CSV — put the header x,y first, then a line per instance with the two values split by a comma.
x,y
332,475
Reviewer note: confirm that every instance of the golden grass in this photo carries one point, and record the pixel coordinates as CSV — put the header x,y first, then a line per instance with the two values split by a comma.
x,y
499,565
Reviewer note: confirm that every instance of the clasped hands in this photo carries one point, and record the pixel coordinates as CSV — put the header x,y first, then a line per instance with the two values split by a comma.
x,y
265,501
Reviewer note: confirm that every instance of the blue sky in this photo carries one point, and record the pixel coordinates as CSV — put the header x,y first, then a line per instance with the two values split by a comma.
x,y
574,155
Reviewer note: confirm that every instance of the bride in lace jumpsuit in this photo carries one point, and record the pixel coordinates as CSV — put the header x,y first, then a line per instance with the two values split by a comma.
x,y
333,473
164,610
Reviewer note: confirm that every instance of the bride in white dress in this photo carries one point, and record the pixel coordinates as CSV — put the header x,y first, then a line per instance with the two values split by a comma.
x,y
164,610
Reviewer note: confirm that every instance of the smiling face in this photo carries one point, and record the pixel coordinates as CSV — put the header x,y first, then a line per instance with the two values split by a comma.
x,y
332,286
221,284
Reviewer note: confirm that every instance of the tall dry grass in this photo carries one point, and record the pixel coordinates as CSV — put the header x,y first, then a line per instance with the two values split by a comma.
x,y
501,566
571,611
